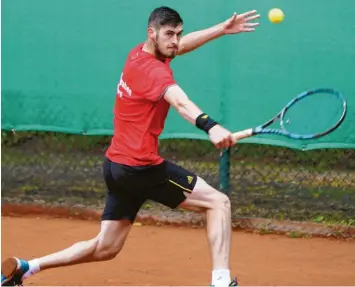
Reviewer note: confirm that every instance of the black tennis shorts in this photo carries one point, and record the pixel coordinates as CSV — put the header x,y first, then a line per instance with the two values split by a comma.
x,y
129,187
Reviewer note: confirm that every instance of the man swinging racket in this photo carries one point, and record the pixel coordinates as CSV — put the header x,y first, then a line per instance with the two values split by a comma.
x,y
133,169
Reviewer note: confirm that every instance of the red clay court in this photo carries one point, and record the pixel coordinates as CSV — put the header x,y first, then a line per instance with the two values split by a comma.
x,y
162,255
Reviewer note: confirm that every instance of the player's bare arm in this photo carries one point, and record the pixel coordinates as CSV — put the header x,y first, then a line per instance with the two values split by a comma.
x,y
219,136
234,25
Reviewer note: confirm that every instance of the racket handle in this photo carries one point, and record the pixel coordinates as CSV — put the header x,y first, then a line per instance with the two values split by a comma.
x,y
243,134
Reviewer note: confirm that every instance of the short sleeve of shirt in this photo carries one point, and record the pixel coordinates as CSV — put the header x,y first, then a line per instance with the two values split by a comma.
x,y
159,79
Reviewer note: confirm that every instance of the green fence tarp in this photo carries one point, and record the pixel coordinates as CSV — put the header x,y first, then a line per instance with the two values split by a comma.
x,y
61,61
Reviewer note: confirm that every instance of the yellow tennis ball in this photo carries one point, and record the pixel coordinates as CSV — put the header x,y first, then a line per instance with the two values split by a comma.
x,y
276,15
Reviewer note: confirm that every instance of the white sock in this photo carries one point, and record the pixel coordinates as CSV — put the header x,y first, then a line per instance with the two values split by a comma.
x,y
221,277
34,268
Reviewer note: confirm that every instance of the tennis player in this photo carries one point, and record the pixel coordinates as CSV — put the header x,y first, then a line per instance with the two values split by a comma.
x,y
133,169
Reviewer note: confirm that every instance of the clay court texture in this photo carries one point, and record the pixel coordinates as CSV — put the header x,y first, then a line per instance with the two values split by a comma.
x,y
157,254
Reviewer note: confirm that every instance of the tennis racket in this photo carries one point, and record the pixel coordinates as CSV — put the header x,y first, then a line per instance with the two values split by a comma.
x,y
310,115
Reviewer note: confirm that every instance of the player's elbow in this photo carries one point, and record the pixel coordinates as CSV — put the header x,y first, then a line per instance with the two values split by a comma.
x,y
183,49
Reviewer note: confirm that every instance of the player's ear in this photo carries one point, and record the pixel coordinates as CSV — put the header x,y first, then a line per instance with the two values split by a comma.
x,y
152,33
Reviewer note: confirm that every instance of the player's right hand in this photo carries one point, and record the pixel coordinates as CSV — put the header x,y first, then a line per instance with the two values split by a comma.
x,y
221,137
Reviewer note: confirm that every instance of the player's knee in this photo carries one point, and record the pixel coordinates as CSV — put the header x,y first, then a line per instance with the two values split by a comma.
x,y
107,254
107,250
104,253
221,201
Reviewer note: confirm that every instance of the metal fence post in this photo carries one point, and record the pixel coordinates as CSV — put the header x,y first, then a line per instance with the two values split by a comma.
x,y
224,171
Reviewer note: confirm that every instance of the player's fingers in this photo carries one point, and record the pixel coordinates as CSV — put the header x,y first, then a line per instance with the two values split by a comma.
x,y
226,142
231,19
232,140
218,144
251,24
248,29
252,17
234,16
247,14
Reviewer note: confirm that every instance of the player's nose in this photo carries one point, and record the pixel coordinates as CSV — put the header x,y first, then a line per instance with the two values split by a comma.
x,y
175,40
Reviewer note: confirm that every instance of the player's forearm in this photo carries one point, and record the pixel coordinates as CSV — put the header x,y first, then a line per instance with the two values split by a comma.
x,y
192,113
188,110
176,97
196,39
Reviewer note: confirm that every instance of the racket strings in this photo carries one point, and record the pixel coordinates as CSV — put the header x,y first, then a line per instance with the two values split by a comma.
x,y
313,114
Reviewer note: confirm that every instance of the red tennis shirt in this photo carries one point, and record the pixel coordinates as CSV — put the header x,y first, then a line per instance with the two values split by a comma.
x,y
140,110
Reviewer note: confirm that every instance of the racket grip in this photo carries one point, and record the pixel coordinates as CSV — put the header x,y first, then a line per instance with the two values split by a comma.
x,y
242,134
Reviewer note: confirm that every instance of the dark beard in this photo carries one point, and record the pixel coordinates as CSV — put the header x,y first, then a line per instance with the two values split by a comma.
x,y
159,54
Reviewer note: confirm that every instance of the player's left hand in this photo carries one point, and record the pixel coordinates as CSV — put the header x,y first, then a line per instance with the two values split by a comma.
x,y
241,23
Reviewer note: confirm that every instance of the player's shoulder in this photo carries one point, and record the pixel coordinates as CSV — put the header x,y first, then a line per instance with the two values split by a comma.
x,y
146,60
143,65
137,55
135,51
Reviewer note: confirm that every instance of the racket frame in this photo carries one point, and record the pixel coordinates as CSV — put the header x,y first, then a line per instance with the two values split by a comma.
x,y
280,116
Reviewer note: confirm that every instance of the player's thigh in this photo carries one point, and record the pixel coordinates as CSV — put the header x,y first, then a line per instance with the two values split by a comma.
x,y
204,196
122,202
183,188
171,183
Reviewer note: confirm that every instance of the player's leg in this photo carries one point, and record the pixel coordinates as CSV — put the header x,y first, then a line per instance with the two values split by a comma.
x,y
105,246
183,188
118,216
217,207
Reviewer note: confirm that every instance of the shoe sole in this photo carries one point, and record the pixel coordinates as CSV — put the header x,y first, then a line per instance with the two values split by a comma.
x,y
8,269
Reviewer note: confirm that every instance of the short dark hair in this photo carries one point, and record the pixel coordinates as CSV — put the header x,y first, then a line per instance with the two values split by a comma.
x,y
162,16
